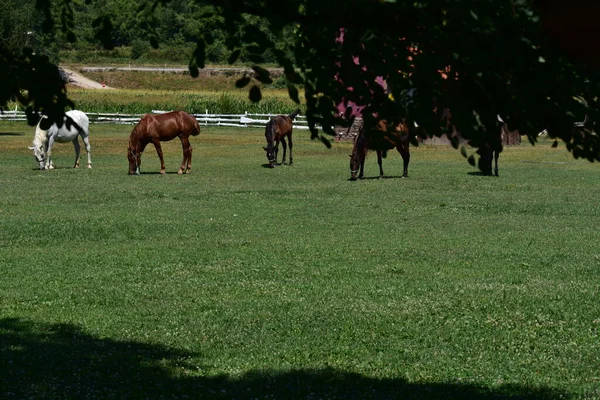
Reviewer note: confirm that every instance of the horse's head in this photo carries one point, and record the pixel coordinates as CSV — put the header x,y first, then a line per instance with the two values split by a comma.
x,y
39,153
354,164
134,161
270,155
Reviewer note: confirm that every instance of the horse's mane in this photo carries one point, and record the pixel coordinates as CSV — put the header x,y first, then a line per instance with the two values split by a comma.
x,y
269,132
359,138
135,132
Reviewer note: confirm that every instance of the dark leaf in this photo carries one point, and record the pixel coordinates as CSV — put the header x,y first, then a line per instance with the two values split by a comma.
x,y
325,141
293,92
242,82
262,75
234,56
255,95
199,53
104,31
154,42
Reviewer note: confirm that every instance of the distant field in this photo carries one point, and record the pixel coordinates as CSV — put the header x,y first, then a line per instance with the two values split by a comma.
x,y
143,91
144,101
239,281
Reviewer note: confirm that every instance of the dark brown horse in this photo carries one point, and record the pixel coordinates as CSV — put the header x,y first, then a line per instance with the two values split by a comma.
x,y
278,129
381,138
489,143
154,128
490,151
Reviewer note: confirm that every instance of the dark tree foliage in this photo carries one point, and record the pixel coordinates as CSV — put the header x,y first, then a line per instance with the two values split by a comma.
x,y
476,58
496,58
31,78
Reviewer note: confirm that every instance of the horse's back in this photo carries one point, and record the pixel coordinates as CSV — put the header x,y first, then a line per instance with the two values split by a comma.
x,y
81,119
283,125
382,138
75,123
168,126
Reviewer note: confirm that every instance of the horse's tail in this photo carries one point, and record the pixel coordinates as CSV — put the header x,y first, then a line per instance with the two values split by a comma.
x,y
196,130
294,114
40,133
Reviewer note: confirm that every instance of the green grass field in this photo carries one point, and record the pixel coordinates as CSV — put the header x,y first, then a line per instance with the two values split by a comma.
x,y
239,281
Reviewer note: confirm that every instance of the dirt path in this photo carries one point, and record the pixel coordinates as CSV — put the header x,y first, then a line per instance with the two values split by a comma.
x,y
76,79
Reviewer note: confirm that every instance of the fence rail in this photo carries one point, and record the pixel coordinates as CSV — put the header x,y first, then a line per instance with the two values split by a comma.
x,y
245,120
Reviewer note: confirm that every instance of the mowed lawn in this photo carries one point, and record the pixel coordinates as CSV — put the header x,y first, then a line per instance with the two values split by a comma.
x,y
239,281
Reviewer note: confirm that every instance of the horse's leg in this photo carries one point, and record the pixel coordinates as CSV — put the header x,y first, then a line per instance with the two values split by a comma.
x,y
189,160
156,144
284,144
49,164
497,154
380,162
363,155
276,151
404,151
291,155
186,163
77,150
88,149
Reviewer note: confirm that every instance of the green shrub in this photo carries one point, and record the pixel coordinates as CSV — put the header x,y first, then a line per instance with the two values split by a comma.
x,y
139,48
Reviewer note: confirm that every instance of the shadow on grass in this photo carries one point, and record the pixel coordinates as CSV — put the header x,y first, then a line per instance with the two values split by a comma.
x,y
61,361
366,178
158,173
479,173
12,134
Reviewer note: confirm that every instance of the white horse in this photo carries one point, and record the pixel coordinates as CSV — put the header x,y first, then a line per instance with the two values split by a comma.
x,y
75,124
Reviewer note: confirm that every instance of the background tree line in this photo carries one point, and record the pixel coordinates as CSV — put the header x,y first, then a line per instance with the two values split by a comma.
x,y
134,26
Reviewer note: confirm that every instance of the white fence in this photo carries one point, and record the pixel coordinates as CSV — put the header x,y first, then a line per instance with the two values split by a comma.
x,y
238,120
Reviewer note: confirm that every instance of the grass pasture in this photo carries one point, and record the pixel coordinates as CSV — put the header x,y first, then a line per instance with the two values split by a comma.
x,y
239,281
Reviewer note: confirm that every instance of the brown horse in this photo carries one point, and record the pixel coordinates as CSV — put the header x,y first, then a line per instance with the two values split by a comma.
x,y
154,128
381,138
278,128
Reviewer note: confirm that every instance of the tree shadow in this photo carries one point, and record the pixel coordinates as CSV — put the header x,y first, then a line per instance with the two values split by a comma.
x,y
368,178
12,134
158,173
479,173
61,361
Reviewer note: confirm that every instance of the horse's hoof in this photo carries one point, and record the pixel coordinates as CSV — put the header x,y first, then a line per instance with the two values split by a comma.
x,y
380,176
89,166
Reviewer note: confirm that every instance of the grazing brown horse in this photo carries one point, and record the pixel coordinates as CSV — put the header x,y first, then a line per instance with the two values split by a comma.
x,y
154,128
278,128
381,138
